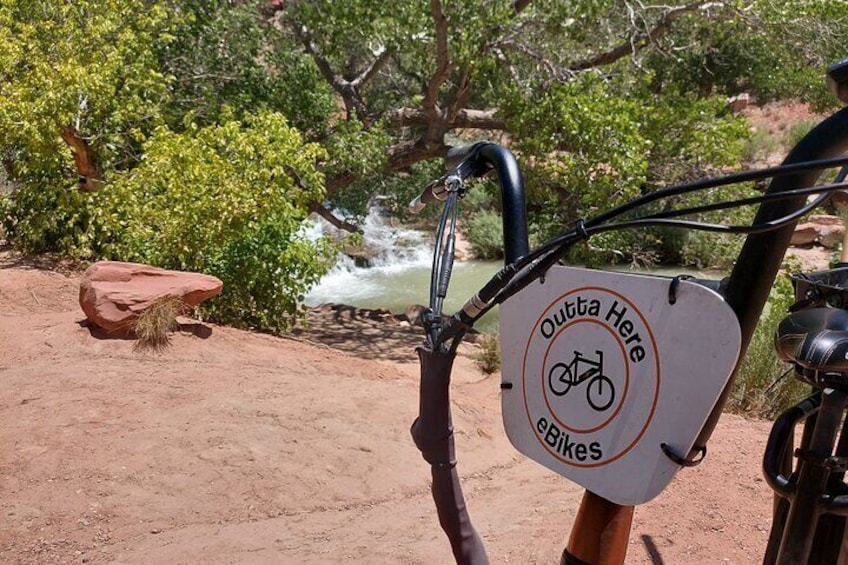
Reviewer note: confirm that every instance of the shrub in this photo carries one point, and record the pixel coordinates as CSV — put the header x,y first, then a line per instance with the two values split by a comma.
x,y
489,358
46,216
153,324
761,145
796,132
226,200
756,390
485,232
704,250
266,271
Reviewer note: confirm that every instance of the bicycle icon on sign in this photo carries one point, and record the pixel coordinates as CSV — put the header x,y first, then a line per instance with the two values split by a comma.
x,y
600,392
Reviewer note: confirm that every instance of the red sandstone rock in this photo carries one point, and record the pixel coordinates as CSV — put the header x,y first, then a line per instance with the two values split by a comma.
x,y
113,294
739,102
804,234
822,229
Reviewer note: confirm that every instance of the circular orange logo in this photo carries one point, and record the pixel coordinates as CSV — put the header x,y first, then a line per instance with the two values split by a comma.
x,y
591,377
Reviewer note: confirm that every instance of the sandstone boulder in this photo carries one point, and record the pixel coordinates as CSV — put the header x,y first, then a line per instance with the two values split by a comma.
x,y
113,294
822,229
739,102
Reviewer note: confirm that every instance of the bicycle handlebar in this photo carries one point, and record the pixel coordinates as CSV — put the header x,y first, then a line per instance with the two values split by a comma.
x,y
477,160
461,164
459,153
436,190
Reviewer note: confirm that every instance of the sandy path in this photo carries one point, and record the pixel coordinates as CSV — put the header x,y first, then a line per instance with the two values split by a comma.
x,y
242,448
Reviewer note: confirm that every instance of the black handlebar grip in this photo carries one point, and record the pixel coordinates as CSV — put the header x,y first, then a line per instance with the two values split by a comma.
x,y
460,153
431,192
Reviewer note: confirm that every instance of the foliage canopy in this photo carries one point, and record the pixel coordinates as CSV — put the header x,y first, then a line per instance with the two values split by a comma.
x,y
163,130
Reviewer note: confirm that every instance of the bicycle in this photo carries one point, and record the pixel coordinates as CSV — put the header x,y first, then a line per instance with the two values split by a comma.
x,y
811,499
600,391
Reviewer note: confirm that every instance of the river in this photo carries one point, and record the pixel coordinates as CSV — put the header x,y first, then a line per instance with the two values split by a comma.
x,y
399,273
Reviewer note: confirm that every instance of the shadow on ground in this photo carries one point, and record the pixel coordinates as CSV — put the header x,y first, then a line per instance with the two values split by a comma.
x,y
197,329
370,334
9,259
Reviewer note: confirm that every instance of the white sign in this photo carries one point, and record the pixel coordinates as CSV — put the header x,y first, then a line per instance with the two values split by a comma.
x,y
600,369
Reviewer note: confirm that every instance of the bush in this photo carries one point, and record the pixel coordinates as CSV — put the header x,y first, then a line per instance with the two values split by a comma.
x,y
796,132
756,390
761,145
640,248
704,250
489,358
153,324
225,200
485,232
46,216
267,271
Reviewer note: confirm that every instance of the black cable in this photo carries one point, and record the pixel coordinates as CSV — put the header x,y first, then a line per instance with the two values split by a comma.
x,y
447,256
516,276
432,318
552,252
437,256
784,195
703,226
736,178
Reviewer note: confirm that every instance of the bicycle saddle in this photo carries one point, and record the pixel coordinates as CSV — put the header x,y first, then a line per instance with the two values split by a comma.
x,y
815,339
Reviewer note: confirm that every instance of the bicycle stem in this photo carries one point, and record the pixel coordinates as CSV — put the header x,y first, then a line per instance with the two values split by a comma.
x,y
432,431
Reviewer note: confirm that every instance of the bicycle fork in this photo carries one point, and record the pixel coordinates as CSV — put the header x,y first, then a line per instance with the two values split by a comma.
x,y
810,503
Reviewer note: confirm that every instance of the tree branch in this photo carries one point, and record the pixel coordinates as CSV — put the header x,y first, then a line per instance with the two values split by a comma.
x,y
333,220
336,81
9,167
555,71
639,41
464,118
347,89
369,73
401,156
443,66
84,158
405,155
519,5
339,181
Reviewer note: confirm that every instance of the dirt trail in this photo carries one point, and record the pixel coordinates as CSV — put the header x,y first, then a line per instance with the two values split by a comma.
x,y
232,447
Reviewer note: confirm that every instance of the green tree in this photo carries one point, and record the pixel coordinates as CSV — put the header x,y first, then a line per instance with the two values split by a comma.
x,y
601,99
226,57
772,49
80,88
604,97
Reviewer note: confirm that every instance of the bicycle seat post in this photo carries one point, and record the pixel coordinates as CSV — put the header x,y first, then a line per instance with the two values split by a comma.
x,y
814,470
809,524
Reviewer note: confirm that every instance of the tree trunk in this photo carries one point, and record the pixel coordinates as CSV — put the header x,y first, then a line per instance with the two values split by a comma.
x,y
85,159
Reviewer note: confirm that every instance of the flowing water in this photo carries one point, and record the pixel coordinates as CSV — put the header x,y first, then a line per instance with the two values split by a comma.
x,y
399,273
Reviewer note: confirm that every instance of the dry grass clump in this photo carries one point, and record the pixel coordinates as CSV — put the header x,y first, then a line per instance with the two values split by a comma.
x,y
154,323
489,357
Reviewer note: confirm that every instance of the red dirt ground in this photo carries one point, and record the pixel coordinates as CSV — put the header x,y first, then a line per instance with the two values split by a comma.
x,y
232,447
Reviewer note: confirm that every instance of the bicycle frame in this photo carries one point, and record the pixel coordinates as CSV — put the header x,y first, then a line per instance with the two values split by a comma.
x,y
600,533
746,291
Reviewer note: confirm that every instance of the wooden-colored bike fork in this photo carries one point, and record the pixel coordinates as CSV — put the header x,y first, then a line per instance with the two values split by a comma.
x,y
600,534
